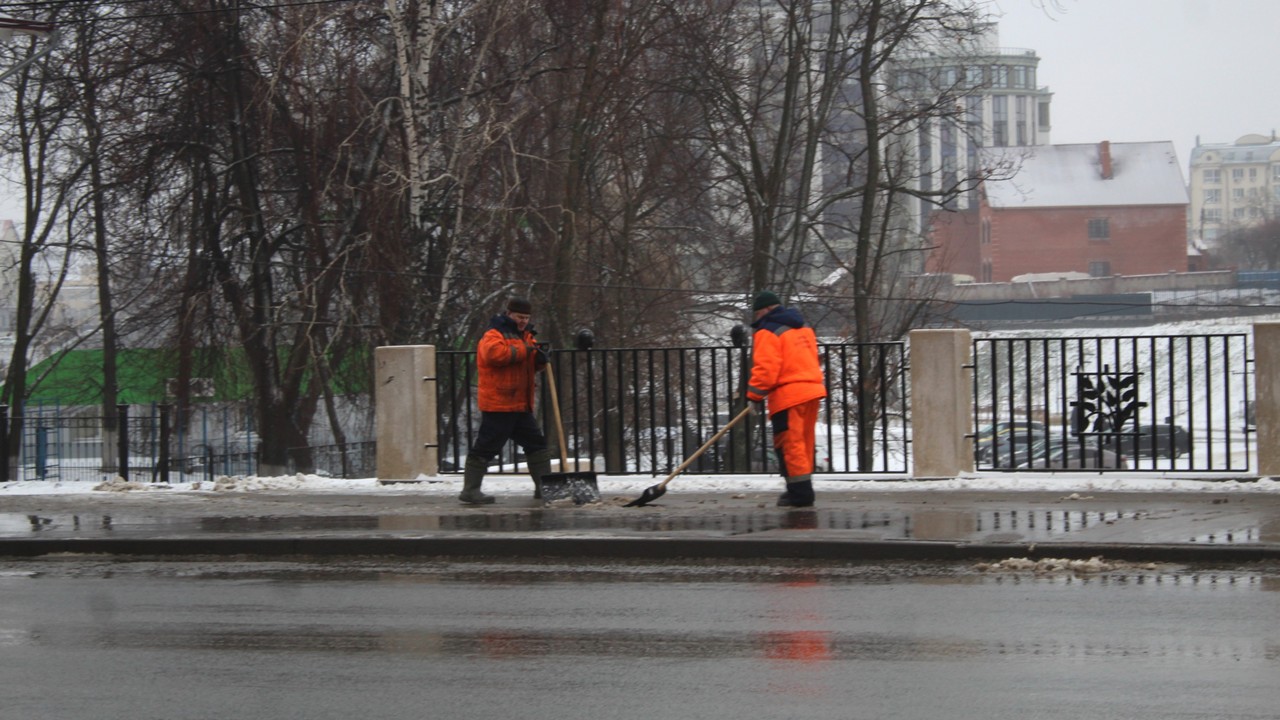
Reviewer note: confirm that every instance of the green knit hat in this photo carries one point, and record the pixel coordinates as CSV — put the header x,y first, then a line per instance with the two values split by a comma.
x,y
764,300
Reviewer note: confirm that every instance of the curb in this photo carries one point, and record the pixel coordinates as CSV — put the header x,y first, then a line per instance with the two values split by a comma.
x,y
653,548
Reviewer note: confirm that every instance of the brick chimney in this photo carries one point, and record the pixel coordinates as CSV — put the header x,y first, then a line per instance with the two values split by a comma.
x,y
1104,158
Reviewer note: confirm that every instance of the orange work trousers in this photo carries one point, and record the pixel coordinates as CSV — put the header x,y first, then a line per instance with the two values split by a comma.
x,y
794,438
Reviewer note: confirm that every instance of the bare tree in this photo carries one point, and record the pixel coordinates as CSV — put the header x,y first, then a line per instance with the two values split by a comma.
x,y
270,186
1256,247
38,133
818,153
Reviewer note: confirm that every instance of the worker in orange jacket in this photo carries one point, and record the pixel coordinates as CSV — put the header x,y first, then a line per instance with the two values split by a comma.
x,y
785,374
508,359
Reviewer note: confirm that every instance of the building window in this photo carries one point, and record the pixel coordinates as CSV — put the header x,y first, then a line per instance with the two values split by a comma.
x,y
1000,121
1100,268
1237,213
1237,175
1213,215
1020,109
1099,229
1213,196
1275,172
1213,177
1045,125
984,237
1253,174
1237,194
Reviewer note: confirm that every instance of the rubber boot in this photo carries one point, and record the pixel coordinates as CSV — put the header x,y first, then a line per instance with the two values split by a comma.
x,y
539,465
799,492
472,476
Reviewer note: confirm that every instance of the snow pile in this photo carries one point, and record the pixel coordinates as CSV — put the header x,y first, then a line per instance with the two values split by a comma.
x,y
1058,566
119,484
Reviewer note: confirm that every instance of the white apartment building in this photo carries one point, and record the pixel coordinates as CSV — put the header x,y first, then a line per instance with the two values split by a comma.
x,y
1233,185
1003,106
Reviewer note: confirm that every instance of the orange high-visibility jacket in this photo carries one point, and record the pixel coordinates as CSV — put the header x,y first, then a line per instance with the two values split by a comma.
x,y
784,361
507,361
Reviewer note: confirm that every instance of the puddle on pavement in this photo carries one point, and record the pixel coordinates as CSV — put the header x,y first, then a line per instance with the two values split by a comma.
x,y
915,524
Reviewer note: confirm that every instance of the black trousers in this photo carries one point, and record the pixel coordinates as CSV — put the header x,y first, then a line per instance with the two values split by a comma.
x,y
496,428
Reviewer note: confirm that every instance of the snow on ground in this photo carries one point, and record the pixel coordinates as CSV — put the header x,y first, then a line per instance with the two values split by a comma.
x,y
519,485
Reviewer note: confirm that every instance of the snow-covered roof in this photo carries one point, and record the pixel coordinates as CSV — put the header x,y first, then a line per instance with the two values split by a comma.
x,y
1143,173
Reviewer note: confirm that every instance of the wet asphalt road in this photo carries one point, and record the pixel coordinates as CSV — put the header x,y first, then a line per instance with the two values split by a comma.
x,y
84,637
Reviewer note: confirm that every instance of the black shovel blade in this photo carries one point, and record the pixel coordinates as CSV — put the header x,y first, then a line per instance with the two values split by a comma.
x,y
651,493
581,487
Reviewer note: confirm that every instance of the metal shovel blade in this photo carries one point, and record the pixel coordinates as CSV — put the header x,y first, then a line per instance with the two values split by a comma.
x,y
651,493
581,487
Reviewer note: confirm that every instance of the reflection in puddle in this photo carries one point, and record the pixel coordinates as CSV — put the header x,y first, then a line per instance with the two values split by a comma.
x,y
933,524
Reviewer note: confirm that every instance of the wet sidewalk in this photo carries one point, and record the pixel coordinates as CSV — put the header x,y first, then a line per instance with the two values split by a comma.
x,y
1226,525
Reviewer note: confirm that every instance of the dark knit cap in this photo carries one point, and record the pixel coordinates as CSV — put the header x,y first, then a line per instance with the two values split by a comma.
x,y
764,300
520,305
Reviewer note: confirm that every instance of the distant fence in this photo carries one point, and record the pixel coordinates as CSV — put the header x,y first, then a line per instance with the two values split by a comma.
x,y
148,446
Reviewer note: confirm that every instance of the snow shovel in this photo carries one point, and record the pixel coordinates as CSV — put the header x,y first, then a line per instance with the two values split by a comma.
x,y
653,492
579,486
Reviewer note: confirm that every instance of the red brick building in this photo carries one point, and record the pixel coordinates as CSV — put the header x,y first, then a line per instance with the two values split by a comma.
x,y
1104,209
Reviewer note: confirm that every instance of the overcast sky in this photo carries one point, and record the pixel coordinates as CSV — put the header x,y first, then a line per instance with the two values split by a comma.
x,y
1147,70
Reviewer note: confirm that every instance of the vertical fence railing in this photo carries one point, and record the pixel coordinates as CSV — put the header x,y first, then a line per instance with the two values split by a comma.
x,y
150,444
1169,403
643,411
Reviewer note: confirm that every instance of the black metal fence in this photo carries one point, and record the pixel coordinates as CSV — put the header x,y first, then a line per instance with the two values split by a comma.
x,y
1166,403
644,411
1169,403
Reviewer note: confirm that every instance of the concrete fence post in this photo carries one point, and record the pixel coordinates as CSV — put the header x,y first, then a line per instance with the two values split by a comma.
x,y
941,403
405,396
1266,409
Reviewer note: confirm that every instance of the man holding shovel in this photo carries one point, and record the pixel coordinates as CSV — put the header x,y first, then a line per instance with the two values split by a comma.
x,y
508,359
786,373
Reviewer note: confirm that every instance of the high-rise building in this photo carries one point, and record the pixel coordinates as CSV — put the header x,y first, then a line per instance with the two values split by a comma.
x,y
997,98
1233,185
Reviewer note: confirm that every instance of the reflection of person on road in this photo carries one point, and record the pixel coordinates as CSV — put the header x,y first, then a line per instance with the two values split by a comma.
x,y
786,374
508,359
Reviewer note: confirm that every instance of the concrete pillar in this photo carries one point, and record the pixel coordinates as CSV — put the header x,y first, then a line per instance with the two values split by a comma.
x,y
941,403
405,396
1266,408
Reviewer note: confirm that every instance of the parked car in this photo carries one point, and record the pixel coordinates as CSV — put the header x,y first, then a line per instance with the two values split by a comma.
x,y
1016,452
1000,436
1156,440
1074,454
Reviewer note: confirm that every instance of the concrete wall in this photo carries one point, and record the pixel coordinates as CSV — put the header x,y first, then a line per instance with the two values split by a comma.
x,y
405,395
1116,284
941,403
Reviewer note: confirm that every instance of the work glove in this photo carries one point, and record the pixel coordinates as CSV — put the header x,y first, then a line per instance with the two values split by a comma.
x,y
757,406
543,353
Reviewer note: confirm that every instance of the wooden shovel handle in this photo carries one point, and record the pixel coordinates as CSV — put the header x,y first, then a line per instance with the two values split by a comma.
x,y
697,453
555,411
